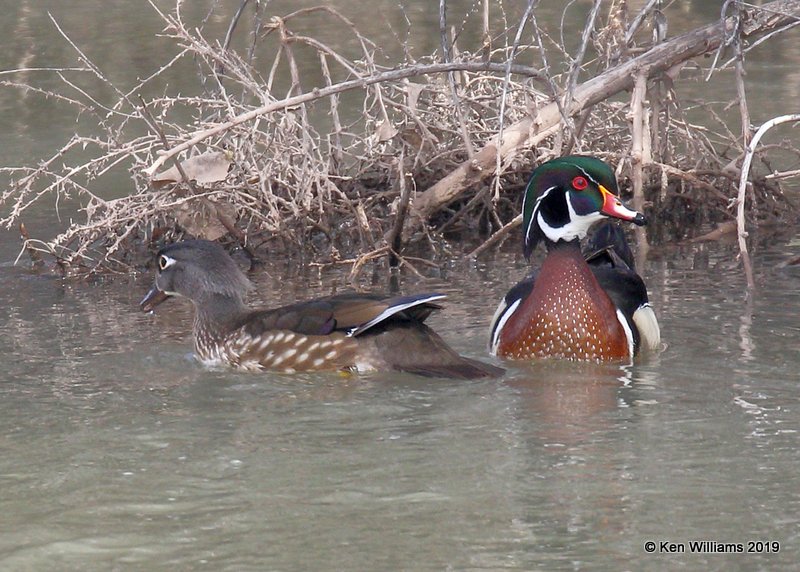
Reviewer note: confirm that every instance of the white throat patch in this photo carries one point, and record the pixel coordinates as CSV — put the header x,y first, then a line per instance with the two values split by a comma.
x,y
577,227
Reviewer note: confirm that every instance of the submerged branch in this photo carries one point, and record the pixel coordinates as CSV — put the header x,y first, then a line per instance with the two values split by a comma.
x,y
740,206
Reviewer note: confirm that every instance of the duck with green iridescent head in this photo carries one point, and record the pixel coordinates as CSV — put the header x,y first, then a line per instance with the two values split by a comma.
x,y
591,307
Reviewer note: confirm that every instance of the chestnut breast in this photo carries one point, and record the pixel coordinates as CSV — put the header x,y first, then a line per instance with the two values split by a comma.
x,y
567,315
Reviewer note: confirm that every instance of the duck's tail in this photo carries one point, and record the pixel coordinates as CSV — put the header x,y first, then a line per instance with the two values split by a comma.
x,y
416,348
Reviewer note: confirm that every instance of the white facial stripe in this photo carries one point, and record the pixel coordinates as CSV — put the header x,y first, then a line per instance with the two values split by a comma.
x,y
587,175
535,214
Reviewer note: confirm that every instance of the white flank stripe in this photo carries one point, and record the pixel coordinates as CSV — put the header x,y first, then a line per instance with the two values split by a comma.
x,y
501,316
628,331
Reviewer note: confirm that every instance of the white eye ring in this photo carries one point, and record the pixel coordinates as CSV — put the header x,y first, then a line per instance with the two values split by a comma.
x,y
165,262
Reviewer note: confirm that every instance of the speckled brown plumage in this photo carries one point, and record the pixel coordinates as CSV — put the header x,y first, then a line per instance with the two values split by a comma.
x,y
355,332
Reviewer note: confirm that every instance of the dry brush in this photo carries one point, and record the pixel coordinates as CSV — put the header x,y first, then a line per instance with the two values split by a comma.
x,y
377,156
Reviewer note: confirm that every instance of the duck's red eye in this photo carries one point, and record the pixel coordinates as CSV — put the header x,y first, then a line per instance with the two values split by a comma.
x,y
579,183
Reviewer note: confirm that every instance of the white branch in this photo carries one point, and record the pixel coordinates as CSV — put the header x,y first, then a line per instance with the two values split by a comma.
x,y
748,159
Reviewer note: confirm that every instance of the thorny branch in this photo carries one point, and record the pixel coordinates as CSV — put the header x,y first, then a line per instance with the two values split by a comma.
x,y
326,186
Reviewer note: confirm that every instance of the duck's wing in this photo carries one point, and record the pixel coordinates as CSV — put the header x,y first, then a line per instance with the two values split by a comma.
x,y
358,313
611,261
389,333
608,245
351,313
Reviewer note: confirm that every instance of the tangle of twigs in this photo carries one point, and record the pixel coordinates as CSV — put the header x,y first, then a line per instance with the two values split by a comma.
x,y
303,171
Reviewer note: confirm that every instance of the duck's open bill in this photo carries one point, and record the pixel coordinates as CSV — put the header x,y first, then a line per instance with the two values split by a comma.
x,y
152,299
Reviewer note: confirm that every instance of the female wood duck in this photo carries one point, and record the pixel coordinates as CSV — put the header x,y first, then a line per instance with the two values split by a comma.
x,y
592,308
358,332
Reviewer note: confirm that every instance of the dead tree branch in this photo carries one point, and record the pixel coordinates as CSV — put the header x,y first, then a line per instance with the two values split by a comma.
x,y
659,59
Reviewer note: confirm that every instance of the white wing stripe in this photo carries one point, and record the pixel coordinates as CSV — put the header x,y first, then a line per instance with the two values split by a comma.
x,y
392,310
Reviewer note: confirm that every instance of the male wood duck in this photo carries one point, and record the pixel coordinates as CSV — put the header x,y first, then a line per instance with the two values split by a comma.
x,y
576,307
356,332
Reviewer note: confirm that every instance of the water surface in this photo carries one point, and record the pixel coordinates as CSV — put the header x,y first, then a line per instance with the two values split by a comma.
x,y
120,452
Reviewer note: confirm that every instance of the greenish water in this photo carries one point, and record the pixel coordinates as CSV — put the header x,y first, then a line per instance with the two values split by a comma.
x,y
122,453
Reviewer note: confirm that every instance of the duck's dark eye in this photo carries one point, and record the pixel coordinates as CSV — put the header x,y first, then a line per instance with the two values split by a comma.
x,y
579,183
163,262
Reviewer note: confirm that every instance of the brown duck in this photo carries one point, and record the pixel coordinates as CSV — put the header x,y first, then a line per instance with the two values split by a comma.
x,y
349,332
